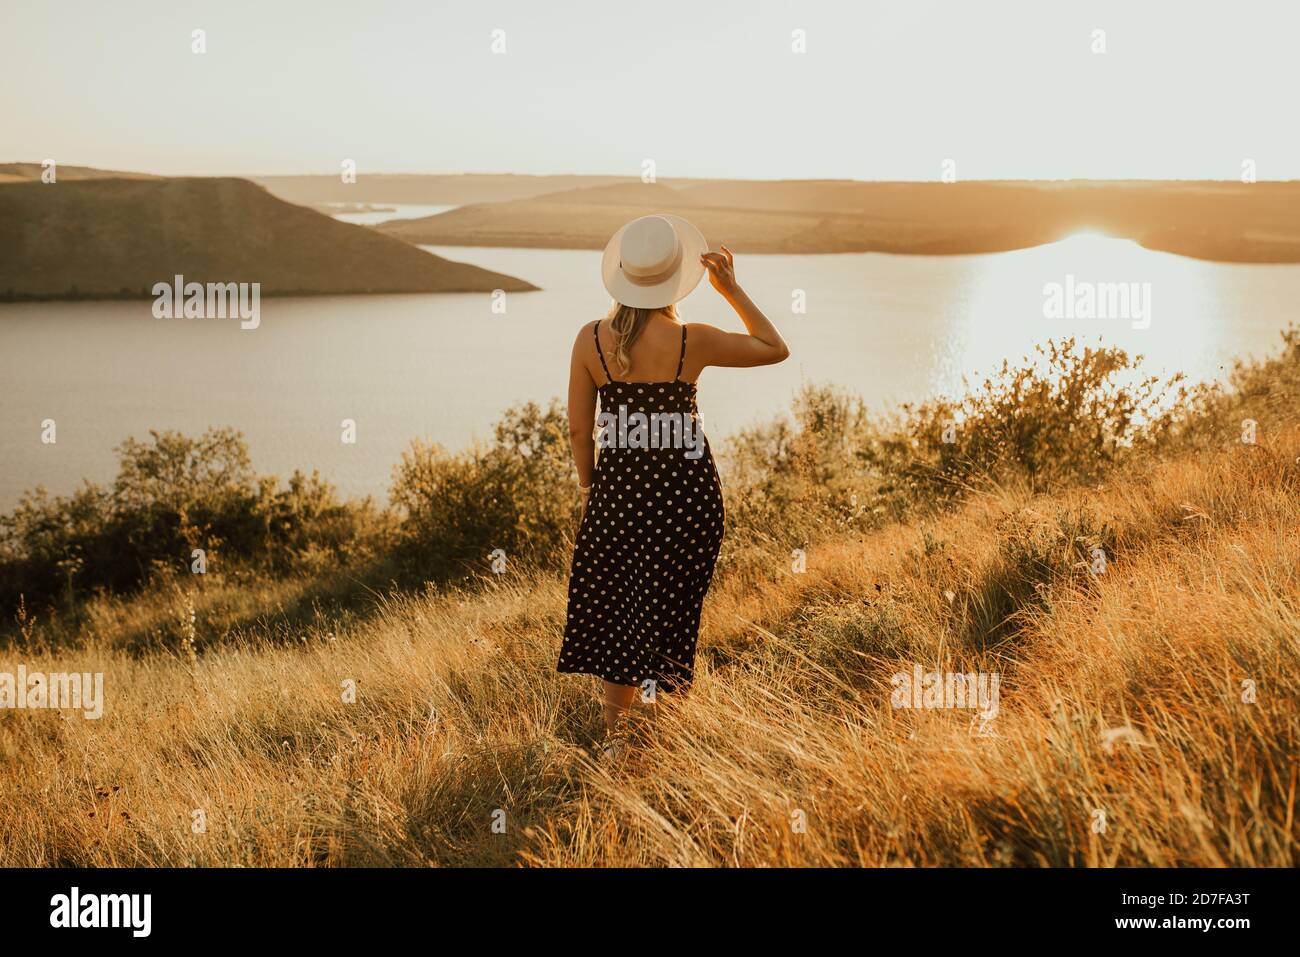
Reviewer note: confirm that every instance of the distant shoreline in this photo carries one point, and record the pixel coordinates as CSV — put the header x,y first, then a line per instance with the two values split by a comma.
x,y
1213,222
1210,221
1286,255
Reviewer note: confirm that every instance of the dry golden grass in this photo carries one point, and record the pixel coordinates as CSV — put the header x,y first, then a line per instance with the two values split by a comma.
x,y
459,713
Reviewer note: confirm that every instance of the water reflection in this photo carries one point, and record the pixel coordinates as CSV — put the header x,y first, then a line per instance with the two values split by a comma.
x,y
385,212
1188,325
444,367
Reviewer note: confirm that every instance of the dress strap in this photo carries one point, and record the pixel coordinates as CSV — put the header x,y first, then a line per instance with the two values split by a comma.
x,y
595,333
682,359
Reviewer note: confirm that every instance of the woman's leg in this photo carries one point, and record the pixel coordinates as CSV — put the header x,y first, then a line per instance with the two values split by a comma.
x,y
618,699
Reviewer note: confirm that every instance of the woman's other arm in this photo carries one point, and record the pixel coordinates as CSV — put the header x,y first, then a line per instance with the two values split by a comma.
x,y
582,410
762,346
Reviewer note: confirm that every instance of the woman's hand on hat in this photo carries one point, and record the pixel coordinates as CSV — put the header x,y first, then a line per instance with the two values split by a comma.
x,y
722,270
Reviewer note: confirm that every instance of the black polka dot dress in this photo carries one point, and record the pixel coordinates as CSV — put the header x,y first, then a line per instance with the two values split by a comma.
x,y
646,547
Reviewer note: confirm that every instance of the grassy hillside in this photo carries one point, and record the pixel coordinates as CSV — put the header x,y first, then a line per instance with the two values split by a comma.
x,y
1219,221
115,238
1149,709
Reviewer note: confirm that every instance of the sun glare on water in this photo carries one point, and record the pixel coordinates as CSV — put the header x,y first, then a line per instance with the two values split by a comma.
x,y
1006,311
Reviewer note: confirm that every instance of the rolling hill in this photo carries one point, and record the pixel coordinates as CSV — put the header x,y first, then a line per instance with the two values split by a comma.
x,y
434,189
565,221
31,172
115,238
1224,221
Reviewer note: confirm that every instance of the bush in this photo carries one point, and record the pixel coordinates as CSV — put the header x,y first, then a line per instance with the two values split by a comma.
x,y
1067,415
304,525
516,494
173,495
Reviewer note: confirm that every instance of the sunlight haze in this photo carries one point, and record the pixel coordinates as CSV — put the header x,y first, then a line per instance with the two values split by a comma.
x,y
884,90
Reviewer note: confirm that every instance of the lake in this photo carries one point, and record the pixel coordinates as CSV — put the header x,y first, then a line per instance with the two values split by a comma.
x,y
444,367
384,212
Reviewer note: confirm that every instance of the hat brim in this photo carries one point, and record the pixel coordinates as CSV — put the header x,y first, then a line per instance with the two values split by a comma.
x,y
673,289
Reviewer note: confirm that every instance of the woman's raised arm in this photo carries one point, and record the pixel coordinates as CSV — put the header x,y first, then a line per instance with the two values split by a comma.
x,y
762,345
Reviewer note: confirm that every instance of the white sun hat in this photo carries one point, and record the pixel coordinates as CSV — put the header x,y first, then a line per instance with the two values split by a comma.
x,y
653,261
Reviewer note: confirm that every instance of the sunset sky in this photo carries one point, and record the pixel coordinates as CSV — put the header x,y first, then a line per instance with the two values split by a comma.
x,y
884,91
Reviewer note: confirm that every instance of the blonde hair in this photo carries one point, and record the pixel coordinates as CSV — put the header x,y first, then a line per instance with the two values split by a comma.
x,y
625,324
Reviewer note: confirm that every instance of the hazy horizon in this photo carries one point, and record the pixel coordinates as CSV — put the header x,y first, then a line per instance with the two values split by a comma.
x,y
91,164
882,93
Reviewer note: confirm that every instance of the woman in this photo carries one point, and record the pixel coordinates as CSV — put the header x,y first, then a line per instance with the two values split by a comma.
x,y
652,511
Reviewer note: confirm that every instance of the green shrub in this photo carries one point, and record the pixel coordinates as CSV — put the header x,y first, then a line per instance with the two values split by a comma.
x,y
1067,416
516,494
173,495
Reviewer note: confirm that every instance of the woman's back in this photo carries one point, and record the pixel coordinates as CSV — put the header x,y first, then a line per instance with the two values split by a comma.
x,y
653,357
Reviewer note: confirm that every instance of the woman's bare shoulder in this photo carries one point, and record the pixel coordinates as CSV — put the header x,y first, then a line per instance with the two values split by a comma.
x,y
585,330
702,331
